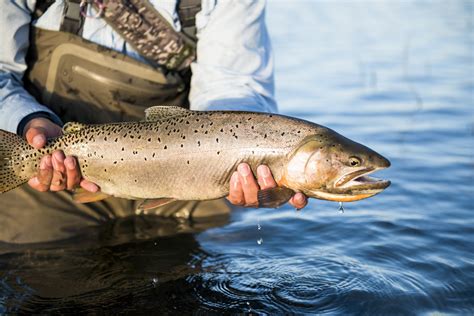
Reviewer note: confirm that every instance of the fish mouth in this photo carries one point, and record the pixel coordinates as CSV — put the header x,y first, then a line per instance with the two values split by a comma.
x,y
354,186
360,180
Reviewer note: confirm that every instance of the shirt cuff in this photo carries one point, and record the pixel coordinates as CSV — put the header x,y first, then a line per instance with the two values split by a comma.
x,y
18,109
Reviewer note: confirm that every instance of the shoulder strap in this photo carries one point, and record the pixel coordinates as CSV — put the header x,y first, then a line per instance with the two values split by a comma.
x,y
187,10
143,27
73,20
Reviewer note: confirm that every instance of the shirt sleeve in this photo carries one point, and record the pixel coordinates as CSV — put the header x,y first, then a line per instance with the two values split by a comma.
x,y
15,102
234,66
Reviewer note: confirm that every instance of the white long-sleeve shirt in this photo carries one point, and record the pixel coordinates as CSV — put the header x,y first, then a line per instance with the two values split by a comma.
x,y
233,70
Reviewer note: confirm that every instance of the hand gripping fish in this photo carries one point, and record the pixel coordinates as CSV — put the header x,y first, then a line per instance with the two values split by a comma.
x,y
178,154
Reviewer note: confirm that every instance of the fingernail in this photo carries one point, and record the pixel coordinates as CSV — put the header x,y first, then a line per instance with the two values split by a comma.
x,y
264,171
59,156
300,198
244,170
39,140
89,186
34,181
43,164
234,180
70,163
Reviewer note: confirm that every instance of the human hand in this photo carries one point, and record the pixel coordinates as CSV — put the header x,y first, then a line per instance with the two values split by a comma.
x,y
56,172
244,187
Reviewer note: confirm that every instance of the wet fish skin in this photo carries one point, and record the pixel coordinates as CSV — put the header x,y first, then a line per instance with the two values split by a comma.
x,y
191,155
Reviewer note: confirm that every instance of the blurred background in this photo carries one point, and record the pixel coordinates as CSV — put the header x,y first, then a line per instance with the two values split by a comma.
x,y
397,76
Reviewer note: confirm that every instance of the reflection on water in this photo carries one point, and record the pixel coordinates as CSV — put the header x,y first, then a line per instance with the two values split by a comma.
x,y
397,76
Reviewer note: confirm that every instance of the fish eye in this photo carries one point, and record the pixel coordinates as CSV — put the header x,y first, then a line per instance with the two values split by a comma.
x,y
354,161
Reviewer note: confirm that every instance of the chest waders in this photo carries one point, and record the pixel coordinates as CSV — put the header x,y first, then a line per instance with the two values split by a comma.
x,y
86,82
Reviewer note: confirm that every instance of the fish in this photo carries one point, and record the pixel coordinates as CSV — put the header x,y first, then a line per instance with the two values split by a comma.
x,y
180,154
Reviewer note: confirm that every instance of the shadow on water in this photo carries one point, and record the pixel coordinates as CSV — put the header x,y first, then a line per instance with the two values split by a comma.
x,y
136,263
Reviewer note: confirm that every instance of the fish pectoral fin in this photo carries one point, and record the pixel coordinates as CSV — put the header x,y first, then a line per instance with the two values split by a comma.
x,y
72,127
82,196
274,197
154,203
159,112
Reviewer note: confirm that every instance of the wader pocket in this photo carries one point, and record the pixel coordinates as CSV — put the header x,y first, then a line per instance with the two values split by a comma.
x,y
86,85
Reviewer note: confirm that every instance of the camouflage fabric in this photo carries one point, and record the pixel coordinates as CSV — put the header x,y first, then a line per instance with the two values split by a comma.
x,y
148,32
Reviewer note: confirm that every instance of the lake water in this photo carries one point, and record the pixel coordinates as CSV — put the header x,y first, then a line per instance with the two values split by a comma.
x,y
396,76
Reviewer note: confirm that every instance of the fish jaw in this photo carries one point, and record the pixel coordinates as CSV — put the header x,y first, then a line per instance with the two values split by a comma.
x,y
354,186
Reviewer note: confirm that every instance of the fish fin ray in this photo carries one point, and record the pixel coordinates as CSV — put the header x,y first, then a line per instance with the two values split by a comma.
x,y
159,112
274,197
72,127
83,196
154,203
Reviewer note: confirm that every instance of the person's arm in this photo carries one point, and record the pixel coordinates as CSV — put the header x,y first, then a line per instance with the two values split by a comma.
x,y
234,71
20,112
16,103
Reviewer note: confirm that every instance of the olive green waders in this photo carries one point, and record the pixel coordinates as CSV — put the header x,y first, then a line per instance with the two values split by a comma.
x,y
84,82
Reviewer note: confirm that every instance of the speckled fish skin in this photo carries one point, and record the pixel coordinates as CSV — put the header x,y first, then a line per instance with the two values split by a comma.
x,y
189,156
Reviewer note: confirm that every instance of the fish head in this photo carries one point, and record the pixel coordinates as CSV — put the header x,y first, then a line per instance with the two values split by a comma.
x,y
332,167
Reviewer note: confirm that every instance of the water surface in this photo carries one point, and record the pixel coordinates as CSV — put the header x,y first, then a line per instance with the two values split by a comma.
x,y
396,76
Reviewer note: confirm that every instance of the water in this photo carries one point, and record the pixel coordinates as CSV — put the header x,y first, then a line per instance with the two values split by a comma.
x,y
397,76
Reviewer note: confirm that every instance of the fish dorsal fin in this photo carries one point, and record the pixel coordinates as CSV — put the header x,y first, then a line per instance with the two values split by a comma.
x,y
72,127
159,112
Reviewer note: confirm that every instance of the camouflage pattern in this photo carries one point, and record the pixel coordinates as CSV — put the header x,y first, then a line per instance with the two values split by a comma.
x,y
147,31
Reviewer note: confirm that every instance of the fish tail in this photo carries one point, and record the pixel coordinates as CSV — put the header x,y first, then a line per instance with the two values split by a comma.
x,y
16,160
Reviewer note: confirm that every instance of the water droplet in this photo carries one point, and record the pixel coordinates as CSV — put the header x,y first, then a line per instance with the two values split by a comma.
x,y
249,307
258,224
260,241
341,207
155,243
154,281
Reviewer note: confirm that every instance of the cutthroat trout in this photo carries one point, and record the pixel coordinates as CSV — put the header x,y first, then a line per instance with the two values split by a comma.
x,y
190,155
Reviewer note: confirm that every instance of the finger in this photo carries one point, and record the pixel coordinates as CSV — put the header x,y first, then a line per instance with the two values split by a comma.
x,y
265,178
58,161
249,184
36,184
45,174
89,186
36,137
299,200
73,174
236,194
59,181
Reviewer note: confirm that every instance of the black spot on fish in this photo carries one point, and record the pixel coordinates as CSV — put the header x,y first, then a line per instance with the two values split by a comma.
x,y
187,162
166,147
265,136
149,139
217,140
283,134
